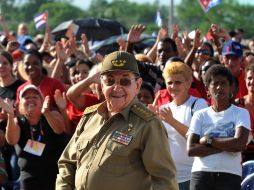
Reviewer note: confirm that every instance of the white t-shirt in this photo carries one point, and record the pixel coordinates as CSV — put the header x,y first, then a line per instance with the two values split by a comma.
x,y
177,142
219,124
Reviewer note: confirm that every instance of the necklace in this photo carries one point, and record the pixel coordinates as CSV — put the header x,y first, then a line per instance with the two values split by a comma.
x,y
34,130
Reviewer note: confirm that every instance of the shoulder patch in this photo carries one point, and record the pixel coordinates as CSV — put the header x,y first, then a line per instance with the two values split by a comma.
x,y
140,110
91,109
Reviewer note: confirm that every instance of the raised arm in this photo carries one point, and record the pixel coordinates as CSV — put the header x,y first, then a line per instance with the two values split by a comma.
x,y
12,134
54,118
61,102
191,55
166,115
163,33
134,36
74,93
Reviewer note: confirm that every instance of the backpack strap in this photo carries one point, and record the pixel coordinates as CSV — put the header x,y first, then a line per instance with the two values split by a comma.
x,y
192,106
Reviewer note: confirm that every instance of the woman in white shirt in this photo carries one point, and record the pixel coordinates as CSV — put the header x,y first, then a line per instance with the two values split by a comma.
x,y
176,116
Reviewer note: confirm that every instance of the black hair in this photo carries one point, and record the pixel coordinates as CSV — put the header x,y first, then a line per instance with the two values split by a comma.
x,y
239,30
85,61
232,33
171,42
218,70
149,87
249,68
248,53
34,52
175,59
7,55
210,47
70,62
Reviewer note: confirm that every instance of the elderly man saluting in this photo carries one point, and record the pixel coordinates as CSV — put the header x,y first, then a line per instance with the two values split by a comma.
x,y
118,144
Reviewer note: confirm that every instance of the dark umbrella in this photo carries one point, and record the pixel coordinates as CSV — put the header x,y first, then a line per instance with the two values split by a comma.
x,y
110,44
95,29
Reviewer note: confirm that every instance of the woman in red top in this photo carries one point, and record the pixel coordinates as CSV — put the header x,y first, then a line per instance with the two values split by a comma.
x,y
248,102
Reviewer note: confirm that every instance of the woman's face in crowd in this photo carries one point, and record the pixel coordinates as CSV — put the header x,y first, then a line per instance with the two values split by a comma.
x,y
220,88
202,54
82,71
177,85
31,102
250,81
204,67
5,67
145,96
32,66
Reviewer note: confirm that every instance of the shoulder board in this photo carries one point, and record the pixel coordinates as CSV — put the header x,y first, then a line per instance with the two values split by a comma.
x,y
91,109
141,110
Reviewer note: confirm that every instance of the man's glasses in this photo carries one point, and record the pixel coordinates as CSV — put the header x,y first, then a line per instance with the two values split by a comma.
x,y
109,81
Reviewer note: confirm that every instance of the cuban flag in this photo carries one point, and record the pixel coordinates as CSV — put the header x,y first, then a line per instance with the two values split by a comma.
x,y
41,20
208,4
158,19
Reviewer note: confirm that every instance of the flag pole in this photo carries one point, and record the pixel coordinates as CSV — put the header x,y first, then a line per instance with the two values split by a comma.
x,y
171,16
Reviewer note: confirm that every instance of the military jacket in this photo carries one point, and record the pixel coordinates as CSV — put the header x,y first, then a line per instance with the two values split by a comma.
x,y
128,151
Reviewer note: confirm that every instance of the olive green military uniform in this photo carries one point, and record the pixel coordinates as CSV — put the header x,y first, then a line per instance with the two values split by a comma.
x,y
129,151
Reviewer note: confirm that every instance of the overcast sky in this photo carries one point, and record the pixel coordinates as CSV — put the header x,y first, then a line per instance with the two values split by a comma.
x,y
84,4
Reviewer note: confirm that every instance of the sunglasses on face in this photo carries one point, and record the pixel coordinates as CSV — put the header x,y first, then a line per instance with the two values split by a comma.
x,y
203,52
109,81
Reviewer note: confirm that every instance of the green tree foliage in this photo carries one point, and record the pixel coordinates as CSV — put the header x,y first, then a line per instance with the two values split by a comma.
x,y
189,14
229,15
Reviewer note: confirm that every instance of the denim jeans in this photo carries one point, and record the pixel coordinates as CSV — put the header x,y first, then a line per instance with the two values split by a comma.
x,y
184,185
214,181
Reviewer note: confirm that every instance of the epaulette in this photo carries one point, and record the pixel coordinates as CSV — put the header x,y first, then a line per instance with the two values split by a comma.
x,y
91,109
141,110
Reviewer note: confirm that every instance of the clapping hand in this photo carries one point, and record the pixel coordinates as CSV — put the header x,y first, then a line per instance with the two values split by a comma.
x,y
46,105
7,106
60,99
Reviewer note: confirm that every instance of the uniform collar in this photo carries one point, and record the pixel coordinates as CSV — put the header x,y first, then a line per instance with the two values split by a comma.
x,y
102,109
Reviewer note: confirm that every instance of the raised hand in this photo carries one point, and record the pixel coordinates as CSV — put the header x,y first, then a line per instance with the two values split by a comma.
x,y
60,99
166,114
197,40
135,33
175,31
163,33
7,105
46,105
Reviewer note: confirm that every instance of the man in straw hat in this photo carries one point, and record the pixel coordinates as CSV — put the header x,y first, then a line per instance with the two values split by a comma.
x,y
118,144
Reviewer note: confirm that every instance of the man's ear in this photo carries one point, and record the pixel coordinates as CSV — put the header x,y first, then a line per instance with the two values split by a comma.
x,y
139,83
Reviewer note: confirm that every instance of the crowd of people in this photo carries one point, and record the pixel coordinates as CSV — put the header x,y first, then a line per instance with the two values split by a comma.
x,y
178,115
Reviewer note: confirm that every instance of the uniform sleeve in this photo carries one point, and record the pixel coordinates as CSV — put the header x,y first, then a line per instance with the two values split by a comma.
x,y
156,157
67,167
67,162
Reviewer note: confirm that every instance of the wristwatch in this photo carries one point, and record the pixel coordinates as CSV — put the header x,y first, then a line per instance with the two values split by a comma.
x,y
209,141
